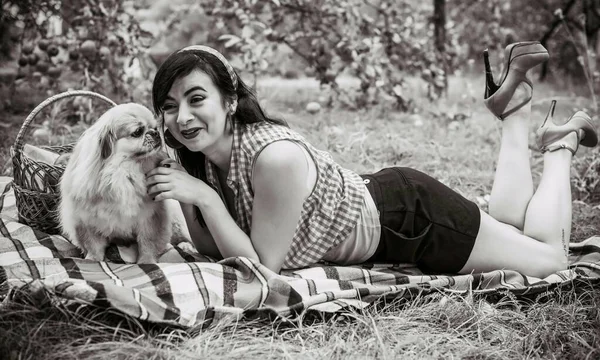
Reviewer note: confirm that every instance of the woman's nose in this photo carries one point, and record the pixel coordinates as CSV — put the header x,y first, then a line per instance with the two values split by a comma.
x,y
184,116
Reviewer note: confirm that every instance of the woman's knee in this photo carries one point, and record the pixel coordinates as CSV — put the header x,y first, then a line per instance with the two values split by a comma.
x,y
507,215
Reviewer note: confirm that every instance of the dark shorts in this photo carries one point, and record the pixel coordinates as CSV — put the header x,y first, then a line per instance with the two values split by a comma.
x,y
422,221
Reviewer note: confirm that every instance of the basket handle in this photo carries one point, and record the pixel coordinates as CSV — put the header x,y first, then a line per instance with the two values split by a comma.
x,y
19,141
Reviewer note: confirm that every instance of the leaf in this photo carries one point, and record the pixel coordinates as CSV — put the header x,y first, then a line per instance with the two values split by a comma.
x,y
247,32
226,37
276,2
231,40
259,24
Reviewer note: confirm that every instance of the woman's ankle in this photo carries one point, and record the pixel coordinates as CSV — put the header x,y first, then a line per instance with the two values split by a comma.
x,y
566,145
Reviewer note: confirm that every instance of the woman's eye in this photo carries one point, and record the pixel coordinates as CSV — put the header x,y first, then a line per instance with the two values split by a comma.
x,y
138,133
196,99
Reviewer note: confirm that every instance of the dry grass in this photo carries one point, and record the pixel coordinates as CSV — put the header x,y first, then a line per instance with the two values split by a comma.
x,y
567,326
461,155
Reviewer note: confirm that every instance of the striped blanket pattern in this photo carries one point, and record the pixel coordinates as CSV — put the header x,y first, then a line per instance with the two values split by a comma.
x,y
187,289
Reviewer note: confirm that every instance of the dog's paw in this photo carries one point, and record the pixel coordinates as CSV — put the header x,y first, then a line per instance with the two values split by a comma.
x,y
146,259
91,256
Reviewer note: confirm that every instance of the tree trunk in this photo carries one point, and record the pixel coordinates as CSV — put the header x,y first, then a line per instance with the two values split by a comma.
x,y
439,22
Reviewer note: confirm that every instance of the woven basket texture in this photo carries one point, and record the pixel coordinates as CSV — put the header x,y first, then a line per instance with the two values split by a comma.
x,y
37,183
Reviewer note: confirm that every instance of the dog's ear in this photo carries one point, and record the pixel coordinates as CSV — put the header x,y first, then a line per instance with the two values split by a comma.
x,y
107,142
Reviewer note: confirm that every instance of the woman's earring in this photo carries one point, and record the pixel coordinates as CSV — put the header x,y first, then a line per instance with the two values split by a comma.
x,y
171,141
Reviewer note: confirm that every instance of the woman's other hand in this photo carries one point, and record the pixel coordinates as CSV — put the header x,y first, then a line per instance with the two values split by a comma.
x,y
169,180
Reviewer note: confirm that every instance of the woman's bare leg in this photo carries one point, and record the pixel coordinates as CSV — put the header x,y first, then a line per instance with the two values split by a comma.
x,y
542,248
513,186
549,215
499,247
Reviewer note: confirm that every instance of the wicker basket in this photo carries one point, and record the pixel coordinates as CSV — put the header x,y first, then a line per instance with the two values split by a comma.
x,y
36,183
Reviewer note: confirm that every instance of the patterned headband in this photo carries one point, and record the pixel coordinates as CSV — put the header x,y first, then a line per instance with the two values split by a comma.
x,y
219,56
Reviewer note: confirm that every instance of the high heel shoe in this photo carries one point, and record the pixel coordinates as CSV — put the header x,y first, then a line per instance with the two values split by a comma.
x,y
519,57
549,133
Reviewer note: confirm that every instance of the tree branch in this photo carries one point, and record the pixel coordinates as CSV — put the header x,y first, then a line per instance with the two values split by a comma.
x,y
550,31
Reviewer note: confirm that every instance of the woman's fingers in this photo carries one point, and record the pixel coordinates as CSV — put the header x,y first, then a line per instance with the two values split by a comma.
x,y
163,196
160,170
165,167
156,179
167,163
170,163
159,188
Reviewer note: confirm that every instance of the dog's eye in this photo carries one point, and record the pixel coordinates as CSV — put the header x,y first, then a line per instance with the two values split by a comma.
x,y
138,132
167,107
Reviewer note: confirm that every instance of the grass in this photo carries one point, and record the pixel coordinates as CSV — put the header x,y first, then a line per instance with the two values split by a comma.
x,y
454,140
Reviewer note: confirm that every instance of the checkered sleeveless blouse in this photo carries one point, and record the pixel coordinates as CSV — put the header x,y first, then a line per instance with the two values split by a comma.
x,y
328,214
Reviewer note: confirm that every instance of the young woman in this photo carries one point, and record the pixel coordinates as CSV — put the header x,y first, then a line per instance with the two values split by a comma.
x,y
250,186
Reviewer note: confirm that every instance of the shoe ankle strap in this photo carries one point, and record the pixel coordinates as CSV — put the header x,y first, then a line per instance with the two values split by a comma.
x,y
554,147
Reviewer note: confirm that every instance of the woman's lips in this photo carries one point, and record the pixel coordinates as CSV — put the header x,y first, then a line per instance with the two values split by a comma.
x,y
190,133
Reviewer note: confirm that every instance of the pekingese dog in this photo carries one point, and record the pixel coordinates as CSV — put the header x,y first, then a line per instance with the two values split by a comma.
x,y
103,189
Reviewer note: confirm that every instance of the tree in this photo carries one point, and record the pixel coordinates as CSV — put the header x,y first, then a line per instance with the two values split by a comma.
x,y
377,41
439,21
91,39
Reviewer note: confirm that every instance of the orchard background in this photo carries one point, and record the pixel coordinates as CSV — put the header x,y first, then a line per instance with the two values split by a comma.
x,y
376,83
114,46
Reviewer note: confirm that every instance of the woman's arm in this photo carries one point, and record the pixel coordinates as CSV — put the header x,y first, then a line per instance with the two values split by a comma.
x,y
280,188
279,184
201,237
174,182
228,237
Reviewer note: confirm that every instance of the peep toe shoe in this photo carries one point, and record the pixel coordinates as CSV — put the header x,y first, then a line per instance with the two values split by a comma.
x,y
549,133
519,58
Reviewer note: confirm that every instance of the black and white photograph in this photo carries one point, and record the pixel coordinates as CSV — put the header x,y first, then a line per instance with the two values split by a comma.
x,y
299,179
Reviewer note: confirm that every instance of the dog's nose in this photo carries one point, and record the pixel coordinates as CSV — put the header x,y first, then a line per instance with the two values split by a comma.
x,y
153,133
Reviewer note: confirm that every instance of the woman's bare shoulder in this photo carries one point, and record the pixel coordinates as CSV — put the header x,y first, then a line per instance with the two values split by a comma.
x,y
281,161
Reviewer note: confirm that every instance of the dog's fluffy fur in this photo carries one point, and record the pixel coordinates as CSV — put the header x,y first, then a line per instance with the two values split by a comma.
x,y
103,189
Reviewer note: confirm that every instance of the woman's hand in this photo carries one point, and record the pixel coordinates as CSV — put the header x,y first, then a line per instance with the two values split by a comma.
x,y
171,181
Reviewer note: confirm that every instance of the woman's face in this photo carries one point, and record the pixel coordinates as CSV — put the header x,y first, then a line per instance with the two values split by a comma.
x,y
195,114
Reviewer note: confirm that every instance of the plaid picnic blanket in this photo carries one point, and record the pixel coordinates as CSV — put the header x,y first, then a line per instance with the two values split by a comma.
x,y
188,289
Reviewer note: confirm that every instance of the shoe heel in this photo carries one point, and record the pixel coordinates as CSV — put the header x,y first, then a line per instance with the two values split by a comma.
x,y
549,133
546,125
490,85
550,114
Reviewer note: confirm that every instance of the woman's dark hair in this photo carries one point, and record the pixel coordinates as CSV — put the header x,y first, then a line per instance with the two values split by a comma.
x,y
182,63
